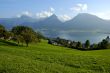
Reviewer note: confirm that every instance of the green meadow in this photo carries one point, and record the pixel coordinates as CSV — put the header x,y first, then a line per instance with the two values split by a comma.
x,y
44,58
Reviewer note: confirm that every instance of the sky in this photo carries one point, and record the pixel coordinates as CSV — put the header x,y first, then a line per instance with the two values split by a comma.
x,y
64,9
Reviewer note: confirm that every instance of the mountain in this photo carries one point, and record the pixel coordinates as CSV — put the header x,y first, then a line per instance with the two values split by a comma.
x,y
10,22
51,22
84,21
81,22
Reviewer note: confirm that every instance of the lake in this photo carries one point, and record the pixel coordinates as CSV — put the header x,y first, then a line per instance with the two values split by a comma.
x,y
94,37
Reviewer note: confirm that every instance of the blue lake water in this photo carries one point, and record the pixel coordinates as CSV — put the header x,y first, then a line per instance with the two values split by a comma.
x,y
78,36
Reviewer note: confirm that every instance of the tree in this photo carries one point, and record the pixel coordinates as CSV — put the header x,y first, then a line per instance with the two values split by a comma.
x,y
2,31
8,35
19,38
1,26
87,44
94,46
25,34
28,36
104,44
17,30
79,45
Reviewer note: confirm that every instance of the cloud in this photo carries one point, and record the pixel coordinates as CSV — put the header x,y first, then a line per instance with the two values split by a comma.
x,y
45,14
79,7
103,15
52,9
64,17
27,13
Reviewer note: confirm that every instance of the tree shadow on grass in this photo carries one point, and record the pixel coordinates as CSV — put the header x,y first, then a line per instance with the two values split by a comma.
x,y
7,43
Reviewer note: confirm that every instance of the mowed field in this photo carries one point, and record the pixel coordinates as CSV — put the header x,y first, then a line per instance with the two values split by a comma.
x,y
44,58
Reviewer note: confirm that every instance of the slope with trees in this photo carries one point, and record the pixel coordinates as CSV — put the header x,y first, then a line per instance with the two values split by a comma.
x,y
25,34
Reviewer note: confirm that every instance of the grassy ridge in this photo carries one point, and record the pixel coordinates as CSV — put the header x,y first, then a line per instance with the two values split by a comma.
x,y
45,58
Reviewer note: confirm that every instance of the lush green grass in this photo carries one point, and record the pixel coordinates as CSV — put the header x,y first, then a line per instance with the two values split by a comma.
x,y
45,58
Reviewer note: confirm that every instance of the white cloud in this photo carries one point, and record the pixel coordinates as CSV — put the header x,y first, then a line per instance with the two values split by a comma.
x,y
85,7
52,9
27,13
64,17
103,15
45,14
79,7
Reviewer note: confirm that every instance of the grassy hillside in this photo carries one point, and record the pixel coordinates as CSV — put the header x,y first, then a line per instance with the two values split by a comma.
x,y
45,58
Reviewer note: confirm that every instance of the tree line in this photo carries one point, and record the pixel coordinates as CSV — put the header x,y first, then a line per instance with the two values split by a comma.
x,y
104,44
20,34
